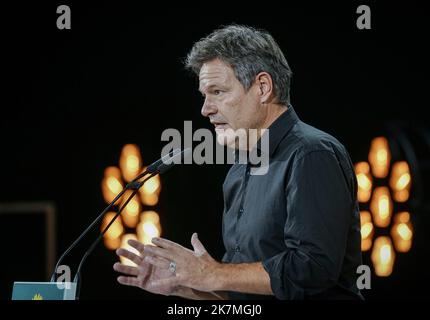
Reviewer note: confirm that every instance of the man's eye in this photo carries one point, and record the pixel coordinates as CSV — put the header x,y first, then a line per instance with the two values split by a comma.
x,y
217,92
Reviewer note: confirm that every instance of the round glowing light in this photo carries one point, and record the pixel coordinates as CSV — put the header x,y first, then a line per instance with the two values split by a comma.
x,y
363,181
366,230
130,161
112,237
403,217
400,181
111,183
384,206
151,185
403,181
133,163
381,207
150,216
114,185
379,157
385,253
404,231
150,229
383,256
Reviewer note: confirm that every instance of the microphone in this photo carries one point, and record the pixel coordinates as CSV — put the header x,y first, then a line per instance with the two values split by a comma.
x,y
168,161
158,167
152,168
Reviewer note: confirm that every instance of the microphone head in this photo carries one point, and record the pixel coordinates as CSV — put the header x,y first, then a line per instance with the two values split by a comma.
x,y
176,156
154,166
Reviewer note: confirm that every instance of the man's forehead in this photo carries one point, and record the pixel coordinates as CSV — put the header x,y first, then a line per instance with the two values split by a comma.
x,y
213,72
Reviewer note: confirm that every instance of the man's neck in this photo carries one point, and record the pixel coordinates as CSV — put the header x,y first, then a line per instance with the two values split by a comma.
x,y
273,112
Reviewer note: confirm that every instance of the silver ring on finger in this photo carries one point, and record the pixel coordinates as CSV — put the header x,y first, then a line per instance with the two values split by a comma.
x,y
172,267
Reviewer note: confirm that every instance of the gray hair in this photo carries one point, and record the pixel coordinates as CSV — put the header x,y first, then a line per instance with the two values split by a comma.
x,y
248,51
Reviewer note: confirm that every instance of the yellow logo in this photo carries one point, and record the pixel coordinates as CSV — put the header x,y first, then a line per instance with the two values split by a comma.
x,y
37,296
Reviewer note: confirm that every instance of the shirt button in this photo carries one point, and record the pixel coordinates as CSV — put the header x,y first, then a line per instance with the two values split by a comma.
x,y
241,210
237,249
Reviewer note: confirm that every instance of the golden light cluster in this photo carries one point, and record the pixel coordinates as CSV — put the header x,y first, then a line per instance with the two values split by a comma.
x,y
134,222
393,187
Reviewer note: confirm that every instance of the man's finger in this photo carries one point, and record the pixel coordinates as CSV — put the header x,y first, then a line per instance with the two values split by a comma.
x,y
157,261
137,245
166,244
129,281
160,252
129,255
199,249
132,271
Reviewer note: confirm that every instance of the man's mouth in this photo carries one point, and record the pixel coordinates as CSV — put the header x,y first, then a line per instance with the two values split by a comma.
x,y
220,125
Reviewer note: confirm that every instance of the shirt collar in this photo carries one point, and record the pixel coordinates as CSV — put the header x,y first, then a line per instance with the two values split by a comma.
x,y
279,129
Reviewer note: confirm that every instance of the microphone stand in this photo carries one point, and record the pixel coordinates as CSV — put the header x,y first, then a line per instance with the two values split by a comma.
x,y
157,167
135,187
132,185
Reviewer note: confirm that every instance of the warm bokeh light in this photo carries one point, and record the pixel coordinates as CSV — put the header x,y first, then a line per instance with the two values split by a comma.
x,y
148,227
126,246
383,256
150,216
112,237
130,214
367,230
400,181
133,223
402,232
385,185
111,183
381,207
380,157
150,191
364,181
130,162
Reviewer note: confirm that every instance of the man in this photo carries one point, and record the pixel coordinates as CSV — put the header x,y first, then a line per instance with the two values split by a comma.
x,y
292,233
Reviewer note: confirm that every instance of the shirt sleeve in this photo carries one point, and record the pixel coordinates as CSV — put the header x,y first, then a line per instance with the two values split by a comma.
x,y
320,204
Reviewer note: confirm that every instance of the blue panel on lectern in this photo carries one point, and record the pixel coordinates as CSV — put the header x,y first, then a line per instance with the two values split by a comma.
x,y
44,291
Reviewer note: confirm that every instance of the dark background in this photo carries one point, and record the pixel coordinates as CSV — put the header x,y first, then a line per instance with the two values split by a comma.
x,y
72,98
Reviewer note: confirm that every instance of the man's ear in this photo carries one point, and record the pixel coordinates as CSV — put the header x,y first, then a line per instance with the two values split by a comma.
x,y
265,86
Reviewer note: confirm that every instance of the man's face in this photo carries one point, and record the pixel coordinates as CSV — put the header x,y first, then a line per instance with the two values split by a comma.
x,y
227,105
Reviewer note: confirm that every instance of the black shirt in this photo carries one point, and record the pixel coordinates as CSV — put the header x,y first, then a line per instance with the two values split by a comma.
x,y
301,219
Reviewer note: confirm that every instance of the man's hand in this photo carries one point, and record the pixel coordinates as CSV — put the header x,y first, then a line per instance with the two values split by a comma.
x,y
145,276
157,279
196,276
200,272
194,269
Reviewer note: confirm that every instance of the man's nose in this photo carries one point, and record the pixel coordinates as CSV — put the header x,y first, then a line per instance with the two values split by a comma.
x,y
208,108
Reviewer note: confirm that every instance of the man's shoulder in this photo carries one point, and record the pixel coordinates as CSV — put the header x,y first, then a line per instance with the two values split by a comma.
x,y
304,139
